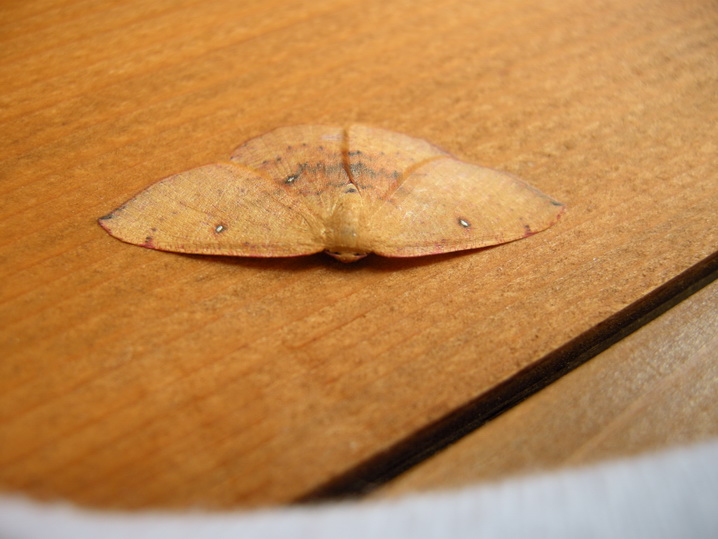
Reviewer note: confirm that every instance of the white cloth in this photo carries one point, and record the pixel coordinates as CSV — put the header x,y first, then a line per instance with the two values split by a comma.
x,y
673,494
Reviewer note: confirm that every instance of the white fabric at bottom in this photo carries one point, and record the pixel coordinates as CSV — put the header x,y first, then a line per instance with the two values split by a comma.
x,y
666,495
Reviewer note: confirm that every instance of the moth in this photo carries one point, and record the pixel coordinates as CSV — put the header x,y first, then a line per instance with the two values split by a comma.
x,y
346,191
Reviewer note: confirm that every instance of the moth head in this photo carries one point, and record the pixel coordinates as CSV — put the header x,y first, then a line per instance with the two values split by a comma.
x,y
347,256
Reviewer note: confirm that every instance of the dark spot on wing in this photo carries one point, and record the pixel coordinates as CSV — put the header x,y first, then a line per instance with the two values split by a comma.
x,y
333,170
361,168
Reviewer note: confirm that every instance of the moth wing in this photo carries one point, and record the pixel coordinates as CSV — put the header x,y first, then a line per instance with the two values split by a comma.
x,y
219,209
306,160
380,160
447,205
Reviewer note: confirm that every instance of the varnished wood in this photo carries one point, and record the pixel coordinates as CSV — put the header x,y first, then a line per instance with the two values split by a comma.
x,y
134,378
655,389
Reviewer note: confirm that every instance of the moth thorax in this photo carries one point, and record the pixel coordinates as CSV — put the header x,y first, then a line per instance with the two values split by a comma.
x,y
345,232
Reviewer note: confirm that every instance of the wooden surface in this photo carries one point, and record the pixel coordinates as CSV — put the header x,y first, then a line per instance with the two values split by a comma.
x,y
133,378
655,389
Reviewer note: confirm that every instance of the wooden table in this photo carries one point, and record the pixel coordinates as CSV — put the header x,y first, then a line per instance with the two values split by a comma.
x,y
134,378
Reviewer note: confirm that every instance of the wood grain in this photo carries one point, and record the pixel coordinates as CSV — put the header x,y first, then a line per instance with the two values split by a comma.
x,y
132,378
655,389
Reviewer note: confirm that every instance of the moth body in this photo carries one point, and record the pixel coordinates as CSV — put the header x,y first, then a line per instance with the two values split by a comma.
x,y
345,232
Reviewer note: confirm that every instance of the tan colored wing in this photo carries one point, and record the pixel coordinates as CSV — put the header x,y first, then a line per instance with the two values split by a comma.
x,y
380,160
220,209
307,160
447,205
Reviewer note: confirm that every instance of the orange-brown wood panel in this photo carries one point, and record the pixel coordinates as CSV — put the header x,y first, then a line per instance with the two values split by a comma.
x,y
134,378
655,389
